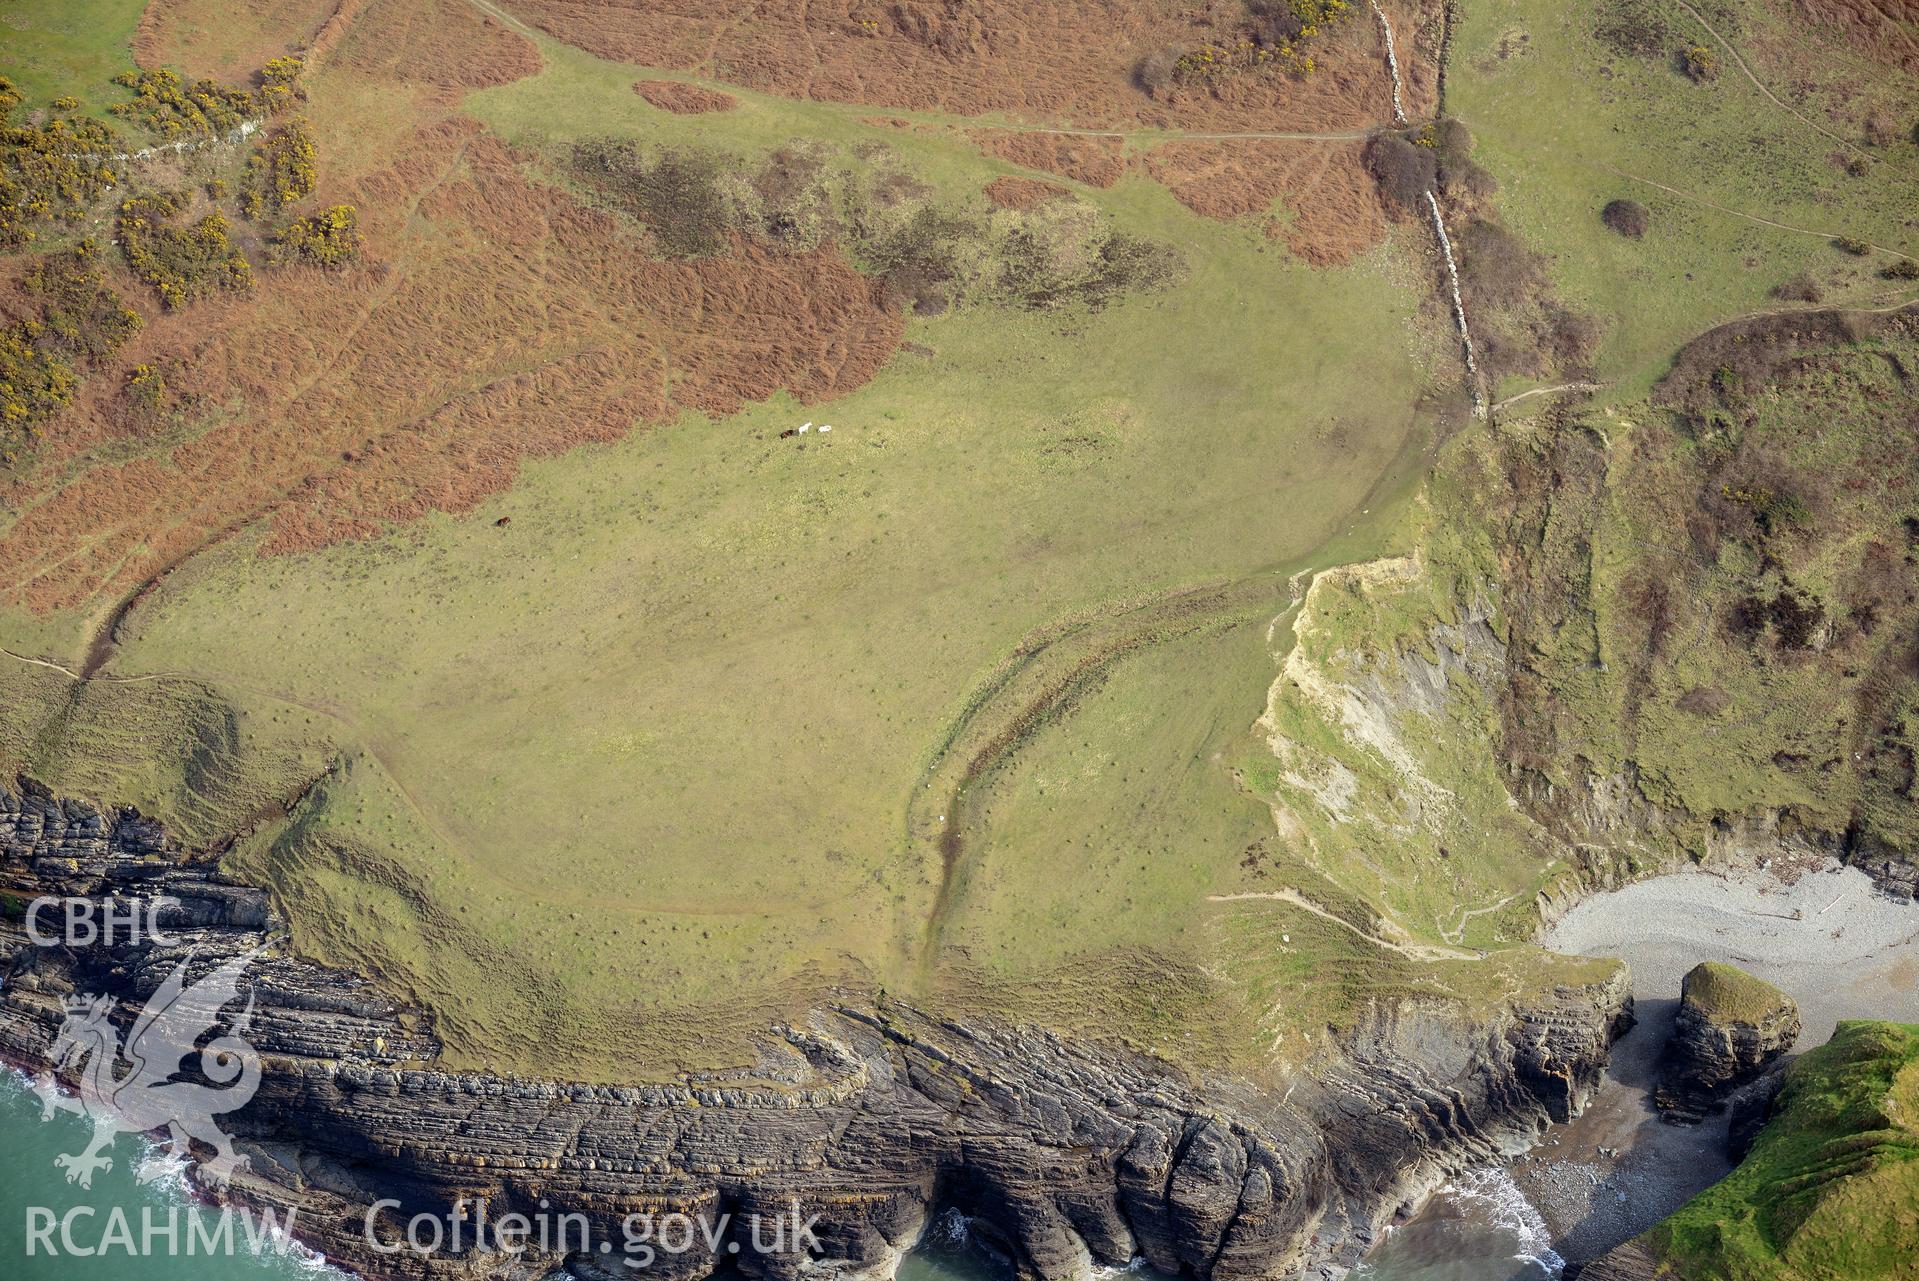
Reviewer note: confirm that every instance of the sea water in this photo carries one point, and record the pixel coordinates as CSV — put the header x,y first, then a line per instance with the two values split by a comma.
x,y
1480,1227
34,1192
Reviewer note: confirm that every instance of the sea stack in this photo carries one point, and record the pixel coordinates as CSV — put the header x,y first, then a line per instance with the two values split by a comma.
x,y
1730,1028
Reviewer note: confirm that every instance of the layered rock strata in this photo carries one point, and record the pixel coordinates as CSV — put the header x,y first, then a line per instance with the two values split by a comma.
x,y
861,1122
1729,1029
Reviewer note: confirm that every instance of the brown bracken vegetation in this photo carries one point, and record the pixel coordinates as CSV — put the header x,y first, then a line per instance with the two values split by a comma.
x,y
419,380
1097,162
684,99
982,57
73,322
1887,30
1022,193
1333,207
417,373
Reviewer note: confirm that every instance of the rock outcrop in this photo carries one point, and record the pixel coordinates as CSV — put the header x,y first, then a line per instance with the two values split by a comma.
x,y
869,1115
1729,1029
1751,1109
1635,1260
1827,1188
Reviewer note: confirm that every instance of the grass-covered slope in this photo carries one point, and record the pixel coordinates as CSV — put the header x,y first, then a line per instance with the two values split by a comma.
x,y
1830,1190
478,592
1727,994
666,731
1745,545
1632,633
1747,179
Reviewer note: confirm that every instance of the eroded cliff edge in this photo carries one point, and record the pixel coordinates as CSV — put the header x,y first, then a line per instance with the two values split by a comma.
x,y
870,1116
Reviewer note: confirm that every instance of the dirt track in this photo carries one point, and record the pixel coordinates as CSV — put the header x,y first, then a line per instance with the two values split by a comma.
x,y
372,397
1746,71
1749,217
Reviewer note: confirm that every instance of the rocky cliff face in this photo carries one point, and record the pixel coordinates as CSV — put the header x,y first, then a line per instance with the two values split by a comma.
x,y
1633,1261
1675,689
869,1116
1730,1028
1825,1191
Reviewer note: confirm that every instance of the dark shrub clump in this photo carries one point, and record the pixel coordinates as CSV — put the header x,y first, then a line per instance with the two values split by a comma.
x,y
1627,217
1495,268
1637,27
927,256
1437,156
1801,288
1404,170
1699,62
923,261
676,194
1154,74
1795,618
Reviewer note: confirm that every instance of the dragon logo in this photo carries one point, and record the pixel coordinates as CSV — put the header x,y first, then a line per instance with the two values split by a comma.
x,y
135,1086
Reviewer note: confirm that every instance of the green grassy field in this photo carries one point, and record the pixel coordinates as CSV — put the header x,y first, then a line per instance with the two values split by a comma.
x,y
704,669
656,744
998,694
660,747
1568,122
74,47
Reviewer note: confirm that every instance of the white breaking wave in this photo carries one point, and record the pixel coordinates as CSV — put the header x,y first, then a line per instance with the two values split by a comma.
x,y
167,1177
1510,1212
953,1230
950,1229
170,1183
159,1169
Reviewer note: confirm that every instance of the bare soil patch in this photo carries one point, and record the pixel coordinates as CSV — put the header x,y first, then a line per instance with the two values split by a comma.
x,y
17,302
684,99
